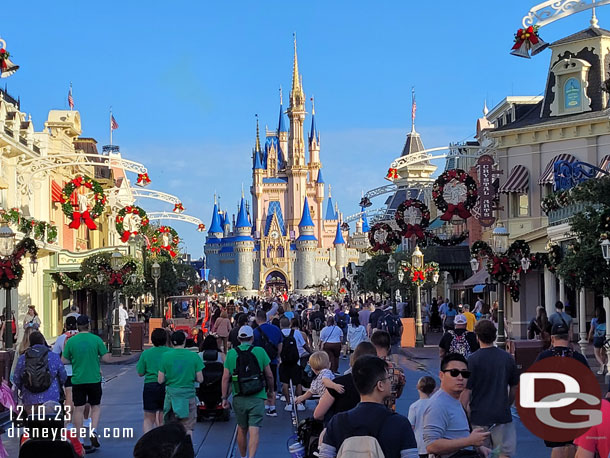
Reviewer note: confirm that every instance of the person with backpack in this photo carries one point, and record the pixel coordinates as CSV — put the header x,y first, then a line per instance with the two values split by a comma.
x,y
39,373
381,341
598,337
560,346
458,340
269,337
247,368
153,394
316,324
561,317
290,370
391,324
58,348
490,391
342,319
369,427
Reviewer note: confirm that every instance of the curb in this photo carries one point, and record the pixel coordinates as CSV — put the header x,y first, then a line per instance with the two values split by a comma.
x,y
122,360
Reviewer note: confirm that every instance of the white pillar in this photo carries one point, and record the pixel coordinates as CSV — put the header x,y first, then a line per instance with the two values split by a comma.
x,y
550,294
582,321
562,291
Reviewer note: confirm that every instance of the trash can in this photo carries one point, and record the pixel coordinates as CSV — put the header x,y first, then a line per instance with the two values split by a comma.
x,y
136,337
526,352
6,362
408,333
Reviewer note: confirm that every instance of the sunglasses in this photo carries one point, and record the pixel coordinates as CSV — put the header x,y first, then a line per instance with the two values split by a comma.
x,y
456,372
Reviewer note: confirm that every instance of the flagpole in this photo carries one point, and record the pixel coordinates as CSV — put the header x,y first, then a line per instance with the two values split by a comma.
x,y
413,109
71,96
110,121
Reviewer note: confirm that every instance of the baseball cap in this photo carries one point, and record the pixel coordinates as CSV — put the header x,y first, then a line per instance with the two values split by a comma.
x,y
245,332
82,320
460,319
559,329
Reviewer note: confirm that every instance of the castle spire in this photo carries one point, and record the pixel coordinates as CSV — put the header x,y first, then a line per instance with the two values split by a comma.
x,y
296,84
313,134
258,138
281,124
339,240
216,226
306,220
242,217
257,153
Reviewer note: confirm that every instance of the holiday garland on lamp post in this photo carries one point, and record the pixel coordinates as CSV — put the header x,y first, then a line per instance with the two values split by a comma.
x,y
11,270
74,211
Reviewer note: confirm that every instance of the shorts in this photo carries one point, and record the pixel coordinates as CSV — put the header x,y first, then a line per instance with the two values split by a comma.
x,y
68,383
504,435
290,372
598,342
249,411
550,444
273,368
188,422
87,393
153,397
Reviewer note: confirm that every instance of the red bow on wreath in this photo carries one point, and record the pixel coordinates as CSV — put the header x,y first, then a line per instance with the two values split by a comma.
x,y
418,275
6,268
86,217
458,209
116,277
126,235
414,229
522,35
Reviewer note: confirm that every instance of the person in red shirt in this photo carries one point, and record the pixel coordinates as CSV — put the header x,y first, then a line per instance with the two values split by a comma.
x,y
597,438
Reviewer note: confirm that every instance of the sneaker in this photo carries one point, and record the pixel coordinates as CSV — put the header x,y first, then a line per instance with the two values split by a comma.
x,y
301,407
271,412
601,370
288,408
277,396
283,398
95,441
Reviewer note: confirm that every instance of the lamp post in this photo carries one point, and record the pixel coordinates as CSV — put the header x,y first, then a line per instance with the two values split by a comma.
x,y
155,272
115,264
417,261
392,271
214,281
500,238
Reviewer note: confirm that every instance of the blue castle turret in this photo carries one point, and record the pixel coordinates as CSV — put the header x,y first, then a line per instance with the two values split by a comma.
x,y
306,251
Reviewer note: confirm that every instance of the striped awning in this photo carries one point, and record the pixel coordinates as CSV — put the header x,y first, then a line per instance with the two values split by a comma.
x,y
518,181
604,164
548,176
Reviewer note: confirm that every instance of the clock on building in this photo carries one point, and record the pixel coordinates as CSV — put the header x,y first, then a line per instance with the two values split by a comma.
x,y
274,234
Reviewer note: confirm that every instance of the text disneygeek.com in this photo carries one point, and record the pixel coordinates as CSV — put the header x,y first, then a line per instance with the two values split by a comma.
x,y
64,433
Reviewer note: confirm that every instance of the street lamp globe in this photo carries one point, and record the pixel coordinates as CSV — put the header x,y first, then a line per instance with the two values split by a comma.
x,y
525,264
401,275
7,241
379,281
474,264
500,235
391,265
435,277
133,277
417,258
33,265
606,250
100,278
155,271
116,260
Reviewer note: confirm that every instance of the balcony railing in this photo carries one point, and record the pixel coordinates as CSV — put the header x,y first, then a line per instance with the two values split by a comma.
x,y
8,131
23,141
564,215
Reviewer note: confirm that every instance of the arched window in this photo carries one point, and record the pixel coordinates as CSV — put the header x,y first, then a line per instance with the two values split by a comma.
x,y
571,94
280,252
269,251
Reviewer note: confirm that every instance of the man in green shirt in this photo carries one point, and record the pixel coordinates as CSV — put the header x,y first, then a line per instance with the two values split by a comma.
x,y
153,395
83,351
179,369
249,409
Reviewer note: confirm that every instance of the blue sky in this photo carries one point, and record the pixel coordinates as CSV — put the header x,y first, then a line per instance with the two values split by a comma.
x,y
185,80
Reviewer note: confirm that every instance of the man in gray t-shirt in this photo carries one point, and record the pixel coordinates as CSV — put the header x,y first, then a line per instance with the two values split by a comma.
x,y
561,317
446,429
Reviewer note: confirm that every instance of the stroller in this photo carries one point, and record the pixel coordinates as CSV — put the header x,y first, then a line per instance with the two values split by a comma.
x,y
34,444
210,391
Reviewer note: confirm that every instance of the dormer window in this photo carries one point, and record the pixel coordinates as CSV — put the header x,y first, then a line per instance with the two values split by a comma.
x,y
570,87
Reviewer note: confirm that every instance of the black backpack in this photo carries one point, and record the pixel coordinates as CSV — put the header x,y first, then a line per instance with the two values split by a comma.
x,y
248,371
388,323
36,376
290,351
342,321
268,346
317,324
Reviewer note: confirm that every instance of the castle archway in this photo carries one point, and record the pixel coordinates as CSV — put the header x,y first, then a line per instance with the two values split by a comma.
x,y
276,282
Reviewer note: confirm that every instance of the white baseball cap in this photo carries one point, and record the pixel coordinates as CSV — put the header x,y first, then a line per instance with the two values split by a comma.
x,y
245,332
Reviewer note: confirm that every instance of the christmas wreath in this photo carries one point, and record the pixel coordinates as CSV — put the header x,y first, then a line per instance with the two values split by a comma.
x,y
433,239
77,213
11,270
118,278
481,249
165,238
383,237
136,220
519,249
454,193
412,216
554,255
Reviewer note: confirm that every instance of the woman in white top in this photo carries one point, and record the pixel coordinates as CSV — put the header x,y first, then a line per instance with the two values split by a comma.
x,y
356,333
331,337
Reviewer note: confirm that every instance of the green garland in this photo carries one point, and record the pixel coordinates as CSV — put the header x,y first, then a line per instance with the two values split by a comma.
x,y
11,270
29,226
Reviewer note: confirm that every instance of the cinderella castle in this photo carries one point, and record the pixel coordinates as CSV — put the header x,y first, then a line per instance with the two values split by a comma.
x,y
291,237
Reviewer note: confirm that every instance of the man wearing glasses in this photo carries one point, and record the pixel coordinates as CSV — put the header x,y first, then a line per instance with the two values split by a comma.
x,y
446,429
370,426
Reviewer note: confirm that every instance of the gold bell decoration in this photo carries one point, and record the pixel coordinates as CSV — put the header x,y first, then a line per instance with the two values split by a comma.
x,y
7,67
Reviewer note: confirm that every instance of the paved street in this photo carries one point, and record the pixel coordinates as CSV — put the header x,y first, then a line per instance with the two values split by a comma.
x,y
122,409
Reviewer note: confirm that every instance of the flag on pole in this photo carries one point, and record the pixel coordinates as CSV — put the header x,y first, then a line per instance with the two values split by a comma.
x,y
413,107
113,124
70,98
